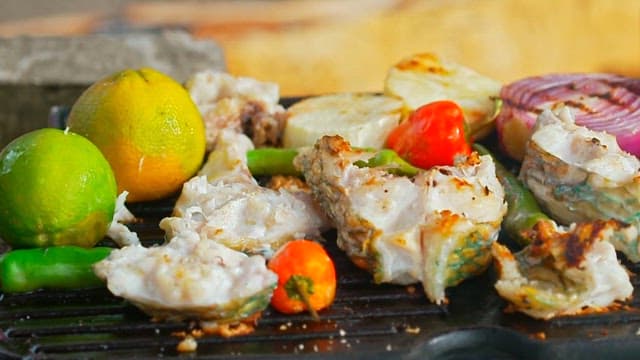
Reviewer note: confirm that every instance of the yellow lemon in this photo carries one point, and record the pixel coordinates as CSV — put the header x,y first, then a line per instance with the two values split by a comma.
x,y
147,127
56,188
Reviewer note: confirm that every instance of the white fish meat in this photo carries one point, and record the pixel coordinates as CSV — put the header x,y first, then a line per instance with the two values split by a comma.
x,y
227,205
579,175
436,228
189,278
239,103
564,271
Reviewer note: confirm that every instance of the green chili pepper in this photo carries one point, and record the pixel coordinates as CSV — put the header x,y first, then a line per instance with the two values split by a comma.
x,y
391,161
274,161
523,209
58,267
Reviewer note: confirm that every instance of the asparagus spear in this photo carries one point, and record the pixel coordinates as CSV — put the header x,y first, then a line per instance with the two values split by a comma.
x,y
276,161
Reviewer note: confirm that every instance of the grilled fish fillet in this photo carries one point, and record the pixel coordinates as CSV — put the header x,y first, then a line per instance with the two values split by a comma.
x,y
225,203
436,228
189,278
240,103
580,175
564,271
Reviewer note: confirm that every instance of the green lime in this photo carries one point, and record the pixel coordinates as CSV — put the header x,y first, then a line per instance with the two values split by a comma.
x,y
56,188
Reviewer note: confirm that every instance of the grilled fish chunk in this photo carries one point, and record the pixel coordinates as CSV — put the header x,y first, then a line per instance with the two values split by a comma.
x,y
436,228
564,271
579,175
239,103
224,203
189,278
118,231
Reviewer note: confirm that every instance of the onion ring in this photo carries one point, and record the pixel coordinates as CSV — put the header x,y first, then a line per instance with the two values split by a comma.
x,y
600,102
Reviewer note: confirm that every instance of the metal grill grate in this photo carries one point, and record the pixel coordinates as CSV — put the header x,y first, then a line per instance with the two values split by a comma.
x,y
366,321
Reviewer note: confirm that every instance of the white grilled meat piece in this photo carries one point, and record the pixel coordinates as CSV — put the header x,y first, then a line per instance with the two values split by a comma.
x,y
579,175
229,159
189,278
118,231
563,271
226,204
240,103
436,228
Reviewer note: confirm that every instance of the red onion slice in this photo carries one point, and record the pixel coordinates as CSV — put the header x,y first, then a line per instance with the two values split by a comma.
x,y
601,102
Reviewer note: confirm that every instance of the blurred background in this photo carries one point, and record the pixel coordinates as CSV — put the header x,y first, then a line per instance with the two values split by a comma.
x,y
319,46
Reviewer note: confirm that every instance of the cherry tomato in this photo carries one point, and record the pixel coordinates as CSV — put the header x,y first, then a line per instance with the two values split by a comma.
x,y
306,278
434,134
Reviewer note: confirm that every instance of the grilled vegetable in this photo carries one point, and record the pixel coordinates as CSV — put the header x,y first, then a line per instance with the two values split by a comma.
x,y
363,119
523,212
435,227
272,161
433,135
601,102
390,161
580,175
425,78
563,271
59,267
276,161
306,278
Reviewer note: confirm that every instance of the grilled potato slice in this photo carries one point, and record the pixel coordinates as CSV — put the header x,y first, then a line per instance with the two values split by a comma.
x,y
361,118
424,78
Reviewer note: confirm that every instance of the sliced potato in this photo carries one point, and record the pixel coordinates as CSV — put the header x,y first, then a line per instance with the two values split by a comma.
x,y
363,119
425,78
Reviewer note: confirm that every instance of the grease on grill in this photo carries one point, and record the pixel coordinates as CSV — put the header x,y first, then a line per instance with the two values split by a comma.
x,y
188,344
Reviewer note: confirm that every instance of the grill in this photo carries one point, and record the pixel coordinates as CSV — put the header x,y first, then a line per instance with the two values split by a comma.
x,y
366,321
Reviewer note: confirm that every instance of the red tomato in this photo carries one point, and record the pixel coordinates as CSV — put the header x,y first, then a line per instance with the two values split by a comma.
x,y
433,135
306,278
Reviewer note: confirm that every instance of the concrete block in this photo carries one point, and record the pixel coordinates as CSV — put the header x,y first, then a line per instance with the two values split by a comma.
x,y
37,73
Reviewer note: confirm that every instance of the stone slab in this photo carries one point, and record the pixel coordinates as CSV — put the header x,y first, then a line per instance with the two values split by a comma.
x,y
37,73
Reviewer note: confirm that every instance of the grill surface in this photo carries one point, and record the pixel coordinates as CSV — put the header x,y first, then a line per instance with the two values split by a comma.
x,y
366,321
